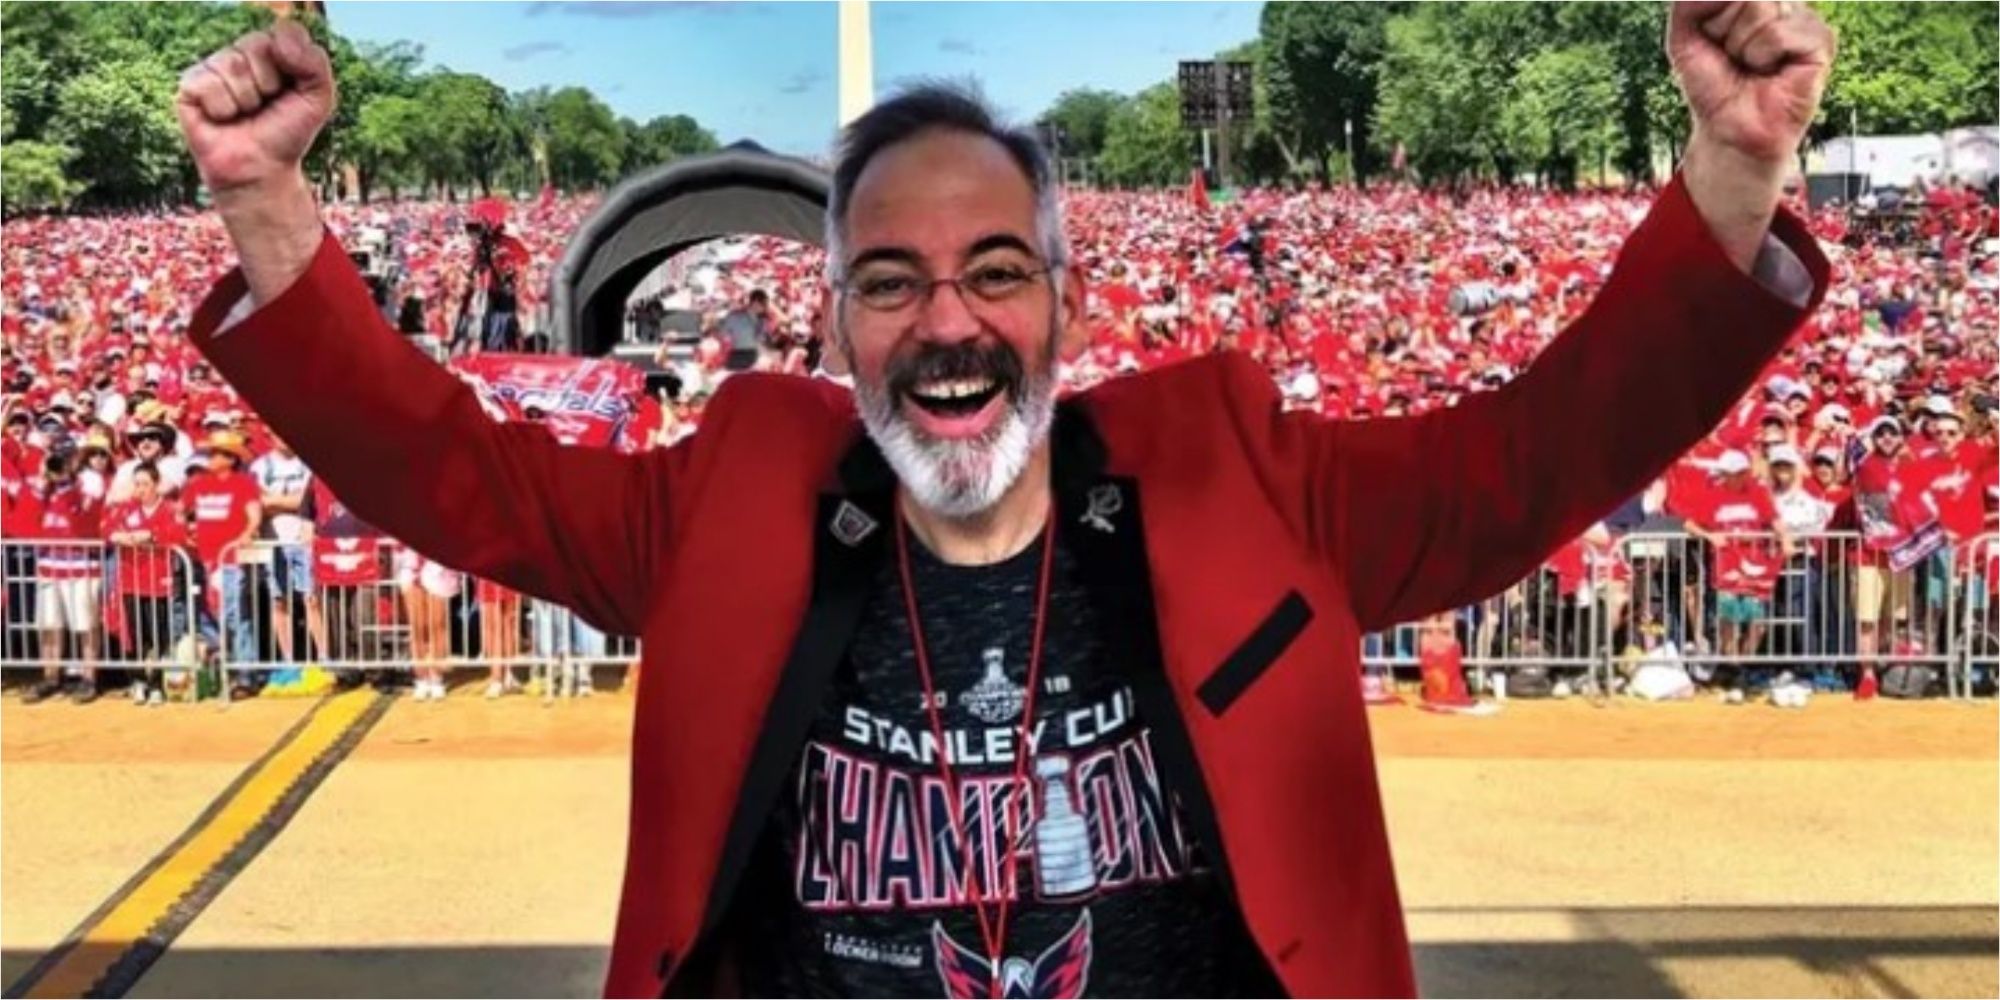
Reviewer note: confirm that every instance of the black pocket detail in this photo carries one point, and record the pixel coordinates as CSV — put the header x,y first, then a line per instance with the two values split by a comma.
x,y
1256,654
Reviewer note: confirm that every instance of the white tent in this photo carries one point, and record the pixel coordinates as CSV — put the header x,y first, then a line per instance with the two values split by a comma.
x,y
1901,160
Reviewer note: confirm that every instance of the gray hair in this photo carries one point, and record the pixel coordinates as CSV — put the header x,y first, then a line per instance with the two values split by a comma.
x,y
922,108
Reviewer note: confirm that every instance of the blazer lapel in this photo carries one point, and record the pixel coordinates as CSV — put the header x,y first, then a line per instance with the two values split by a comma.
x,y
1100,520
850,540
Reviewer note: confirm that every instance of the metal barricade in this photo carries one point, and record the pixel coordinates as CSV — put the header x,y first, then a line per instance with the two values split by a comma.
x,y
1739,607
1534,623
371,605
1978,592
75,607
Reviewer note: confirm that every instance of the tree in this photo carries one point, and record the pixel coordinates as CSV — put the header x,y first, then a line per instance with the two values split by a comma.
x,y
383,142
1323,63
585,145
1911,67
465,134
1083,114
1144,144
27,93
663,140
120,121
1446,75
1649,105
1561,112
368,72
37,176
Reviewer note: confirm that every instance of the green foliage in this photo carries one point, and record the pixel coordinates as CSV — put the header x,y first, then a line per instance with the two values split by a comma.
x,y
585,145
1322,71
1911,67
1562,111
86,112
119,118
37,176
662,140
1084,115
1144,144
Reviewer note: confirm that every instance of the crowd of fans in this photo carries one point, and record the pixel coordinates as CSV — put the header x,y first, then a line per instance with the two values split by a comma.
x,y
1363,304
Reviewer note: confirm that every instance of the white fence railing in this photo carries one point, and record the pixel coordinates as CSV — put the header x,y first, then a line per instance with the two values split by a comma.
x,y
1737,607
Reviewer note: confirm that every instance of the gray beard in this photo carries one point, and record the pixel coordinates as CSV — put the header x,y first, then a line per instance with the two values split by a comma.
x,y
962,479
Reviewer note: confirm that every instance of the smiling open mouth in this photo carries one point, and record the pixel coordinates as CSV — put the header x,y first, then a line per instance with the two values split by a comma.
x,y
954,397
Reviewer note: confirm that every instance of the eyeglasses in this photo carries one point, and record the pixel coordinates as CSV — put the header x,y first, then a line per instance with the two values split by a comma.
x,y
891,288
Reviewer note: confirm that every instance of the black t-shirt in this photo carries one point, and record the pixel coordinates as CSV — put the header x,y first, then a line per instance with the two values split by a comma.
x,y
859,882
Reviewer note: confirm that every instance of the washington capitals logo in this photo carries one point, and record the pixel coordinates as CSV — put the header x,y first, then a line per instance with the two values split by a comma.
x,y
1059,973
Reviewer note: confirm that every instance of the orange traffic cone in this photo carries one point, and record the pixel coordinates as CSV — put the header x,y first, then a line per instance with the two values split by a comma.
x,y
1865,691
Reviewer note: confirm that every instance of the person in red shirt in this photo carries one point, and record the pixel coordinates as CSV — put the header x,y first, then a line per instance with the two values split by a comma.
x,y
69,571
147,528
1736,518
1899,530
225,505
20,517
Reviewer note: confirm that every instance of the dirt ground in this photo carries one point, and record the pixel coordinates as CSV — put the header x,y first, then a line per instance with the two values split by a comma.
x,y
1556,849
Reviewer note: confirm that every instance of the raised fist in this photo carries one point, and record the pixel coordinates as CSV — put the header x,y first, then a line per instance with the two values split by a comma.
x,y
251,110
1752,71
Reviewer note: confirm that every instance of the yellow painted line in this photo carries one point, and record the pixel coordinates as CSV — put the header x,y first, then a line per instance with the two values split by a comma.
x,y
103,943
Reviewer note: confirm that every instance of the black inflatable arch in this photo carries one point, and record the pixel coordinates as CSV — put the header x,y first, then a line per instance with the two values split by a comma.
x,y
650,217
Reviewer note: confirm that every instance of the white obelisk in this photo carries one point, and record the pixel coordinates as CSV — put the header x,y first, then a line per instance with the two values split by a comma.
x,y
857,61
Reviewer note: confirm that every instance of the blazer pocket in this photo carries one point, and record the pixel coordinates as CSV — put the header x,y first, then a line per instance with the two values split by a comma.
x,y
1255,654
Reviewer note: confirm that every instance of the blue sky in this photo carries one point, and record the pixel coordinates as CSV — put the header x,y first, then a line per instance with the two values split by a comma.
x,y
766,70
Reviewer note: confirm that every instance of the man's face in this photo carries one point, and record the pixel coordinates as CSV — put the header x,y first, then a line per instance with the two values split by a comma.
x,y
1888,440
1948,431
220,461
1783,476
1825,472
955,384
149,447
145,487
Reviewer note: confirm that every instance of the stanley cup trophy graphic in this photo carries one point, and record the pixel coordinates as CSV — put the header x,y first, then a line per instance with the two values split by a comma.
x,y
1065,867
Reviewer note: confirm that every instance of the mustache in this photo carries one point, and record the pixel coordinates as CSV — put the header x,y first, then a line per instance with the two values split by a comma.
x,y
967,359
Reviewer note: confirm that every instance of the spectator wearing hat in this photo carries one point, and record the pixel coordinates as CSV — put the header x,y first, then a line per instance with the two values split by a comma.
x,y
1736,518
147,529
69,575
1898,526
152,441
226,508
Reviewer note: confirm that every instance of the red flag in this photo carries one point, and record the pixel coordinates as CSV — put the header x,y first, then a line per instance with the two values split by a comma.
x,y
1198,190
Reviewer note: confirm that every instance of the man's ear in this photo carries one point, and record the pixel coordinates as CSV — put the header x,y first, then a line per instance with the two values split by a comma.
x,y
833,353
1072,332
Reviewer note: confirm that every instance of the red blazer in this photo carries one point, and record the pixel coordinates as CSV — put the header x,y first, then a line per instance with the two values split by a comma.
x,y
1240,551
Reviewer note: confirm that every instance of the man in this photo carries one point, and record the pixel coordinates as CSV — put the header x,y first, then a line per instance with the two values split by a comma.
x,y
1735,519
1802,595
1899,530
746,330
953,689
152,443
285,481
69,568
226,508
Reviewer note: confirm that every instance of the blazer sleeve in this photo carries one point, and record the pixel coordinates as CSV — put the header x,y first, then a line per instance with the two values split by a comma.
x,y
1429,513
407,446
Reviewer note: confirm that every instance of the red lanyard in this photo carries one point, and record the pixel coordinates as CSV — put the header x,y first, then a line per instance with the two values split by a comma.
x,y
992,930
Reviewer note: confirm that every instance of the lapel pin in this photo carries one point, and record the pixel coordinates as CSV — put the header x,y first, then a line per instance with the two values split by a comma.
x,y
1105,501
851,524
